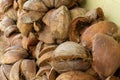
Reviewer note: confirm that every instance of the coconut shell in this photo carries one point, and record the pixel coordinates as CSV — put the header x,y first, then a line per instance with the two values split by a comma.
x,y
46,36
70,65
30,17
11,30
5,23
15,71
5,4
37,6
76,27
106,53
77,12
49,3
59,23
104,27
95,15
11,13
70,50
28,69
13,54
75,75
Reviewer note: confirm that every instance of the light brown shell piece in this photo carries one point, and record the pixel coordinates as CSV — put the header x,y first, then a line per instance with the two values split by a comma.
x,y
2,74
45,58
30,16
95,15
16,40
76,27
21,3
31,40
5,4
38,48
28,69
47,49
75,75
37,26
77,12
59,22
11,13
6,70
5,23
52,74
70,65
11,30
15,71
46,17
37,6
49,3
43,70
68,3
106,53
13,54
105,27
70,50
25,28
46,35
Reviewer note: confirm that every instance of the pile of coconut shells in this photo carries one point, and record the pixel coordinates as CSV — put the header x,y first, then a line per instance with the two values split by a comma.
x,y
57,40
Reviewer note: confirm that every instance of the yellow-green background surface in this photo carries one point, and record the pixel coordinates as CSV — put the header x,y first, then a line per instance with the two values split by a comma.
x,y
111,8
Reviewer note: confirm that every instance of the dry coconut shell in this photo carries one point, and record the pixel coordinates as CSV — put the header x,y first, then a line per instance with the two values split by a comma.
x,y
5,4
49,3
68,3
37,6
76,27
70,65
52,74
46,17
106,53
47,49
5,23
11,13
77,12
59,23
43,70
38,48
30,16
37,26
46,35
25,28
31,40
15,71
70,50
28,69
45,58
11,30
95,15
6,70
13,54
17,40
2,74
75,75
105,27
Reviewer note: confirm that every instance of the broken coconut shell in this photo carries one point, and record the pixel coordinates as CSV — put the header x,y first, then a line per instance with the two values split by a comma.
x,y
104,27
106,53
75,75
